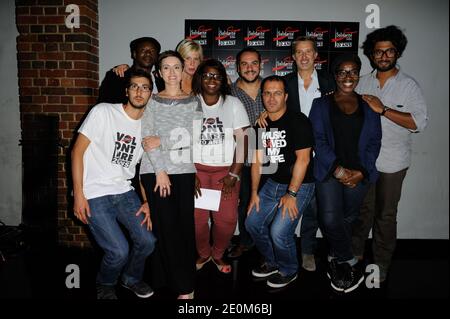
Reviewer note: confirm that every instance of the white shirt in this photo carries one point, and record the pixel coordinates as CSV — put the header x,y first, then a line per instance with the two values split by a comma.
x,y
114,149
219,122
307,96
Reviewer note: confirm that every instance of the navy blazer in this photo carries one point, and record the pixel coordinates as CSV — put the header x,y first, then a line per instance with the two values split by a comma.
x,y
325,156
326,86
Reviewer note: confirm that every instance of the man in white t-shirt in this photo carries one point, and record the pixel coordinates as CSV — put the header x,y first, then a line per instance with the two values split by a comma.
x,y
104,158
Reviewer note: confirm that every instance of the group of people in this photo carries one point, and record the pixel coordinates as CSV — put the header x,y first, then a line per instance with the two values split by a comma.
x,y
327,149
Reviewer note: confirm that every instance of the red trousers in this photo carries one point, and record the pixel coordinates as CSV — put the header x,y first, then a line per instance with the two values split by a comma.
x,y
223,222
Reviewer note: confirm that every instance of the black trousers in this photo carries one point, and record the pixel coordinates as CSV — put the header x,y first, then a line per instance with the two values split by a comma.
x,y
173,261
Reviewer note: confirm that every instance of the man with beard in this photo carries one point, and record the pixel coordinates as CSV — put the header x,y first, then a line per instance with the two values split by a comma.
x,y
144,52
103,160
247,90
399,100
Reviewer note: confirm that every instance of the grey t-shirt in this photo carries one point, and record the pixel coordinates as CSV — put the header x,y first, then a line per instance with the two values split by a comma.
x,y
401,93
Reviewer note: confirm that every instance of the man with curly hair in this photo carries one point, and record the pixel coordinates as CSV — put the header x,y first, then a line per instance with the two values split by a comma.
x,y
398,99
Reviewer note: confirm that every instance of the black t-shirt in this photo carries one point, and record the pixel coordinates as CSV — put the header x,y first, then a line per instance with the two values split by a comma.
x,y
280,139
347,130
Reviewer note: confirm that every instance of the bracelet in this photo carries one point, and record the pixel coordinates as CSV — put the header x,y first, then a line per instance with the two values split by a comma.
x,y
340,173
291,193
385,109
234,175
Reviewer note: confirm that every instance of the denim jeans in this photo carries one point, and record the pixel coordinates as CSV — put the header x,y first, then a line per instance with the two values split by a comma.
x,y
338,209
309,227
274,236
106,214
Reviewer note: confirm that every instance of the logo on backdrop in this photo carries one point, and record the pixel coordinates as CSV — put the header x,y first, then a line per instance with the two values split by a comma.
x,y
318,35
200,34
283,65
320,63
343,39
227,37
256,37
284,38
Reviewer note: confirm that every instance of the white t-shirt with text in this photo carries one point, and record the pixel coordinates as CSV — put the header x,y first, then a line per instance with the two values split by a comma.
x,y
114,150
219,122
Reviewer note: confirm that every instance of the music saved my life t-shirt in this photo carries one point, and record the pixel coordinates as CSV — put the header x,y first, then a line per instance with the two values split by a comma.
x,y
279,140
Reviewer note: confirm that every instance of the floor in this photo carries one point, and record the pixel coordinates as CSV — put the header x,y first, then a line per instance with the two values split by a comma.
x,y
37,270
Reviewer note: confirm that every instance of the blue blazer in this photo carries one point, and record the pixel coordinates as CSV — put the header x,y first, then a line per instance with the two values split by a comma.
x,y
325,156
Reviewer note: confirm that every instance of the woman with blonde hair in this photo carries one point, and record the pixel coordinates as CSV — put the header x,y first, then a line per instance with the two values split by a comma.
x,y
192,54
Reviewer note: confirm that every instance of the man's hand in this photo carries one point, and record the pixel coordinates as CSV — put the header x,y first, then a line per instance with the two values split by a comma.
x,y
288,203
163,183
254,201
374,102
228,183
120,70
261,121
151,142
145,209
81,208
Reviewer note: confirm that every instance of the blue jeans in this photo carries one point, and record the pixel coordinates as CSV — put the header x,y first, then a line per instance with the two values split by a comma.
x,y
309,227
338,209
106,214
274,235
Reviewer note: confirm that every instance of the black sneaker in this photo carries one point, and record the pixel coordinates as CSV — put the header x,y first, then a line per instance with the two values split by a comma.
x,y
334,273
280,281
140,289
352,277
106,292
264,271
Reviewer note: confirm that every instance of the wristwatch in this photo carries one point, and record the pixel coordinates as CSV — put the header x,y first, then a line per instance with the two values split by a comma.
x,y
291,193
384,110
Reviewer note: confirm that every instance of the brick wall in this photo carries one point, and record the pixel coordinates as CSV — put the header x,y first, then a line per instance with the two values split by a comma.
x,y
58,75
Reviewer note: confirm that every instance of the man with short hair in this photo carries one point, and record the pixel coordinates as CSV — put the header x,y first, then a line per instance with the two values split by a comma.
x,y
399,100
303,87
103,160
275,210
144,53
247,90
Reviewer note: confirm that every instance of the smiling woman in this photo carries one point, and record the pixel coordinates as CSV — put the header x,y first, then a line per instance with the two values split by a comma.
x,y
169,179
348,139
218,164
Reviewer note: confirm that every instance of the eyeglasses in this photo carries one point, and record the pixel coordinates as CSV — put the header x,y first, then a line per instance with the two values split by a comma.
x,y
342,74
134,87
270,94
209,76
390,53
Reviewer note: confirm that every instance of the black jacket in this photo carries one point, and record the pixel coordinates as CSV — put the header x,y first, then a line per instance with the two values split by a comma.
x,y
112,89
326,86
